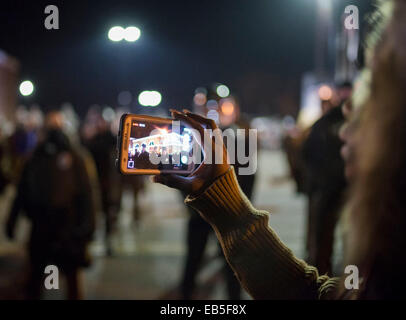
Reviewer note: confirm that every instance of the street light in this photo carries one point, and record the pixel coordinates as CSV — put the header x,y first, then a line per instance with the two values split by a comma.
x,y
118,33
26,88
149,98
223,91
132,34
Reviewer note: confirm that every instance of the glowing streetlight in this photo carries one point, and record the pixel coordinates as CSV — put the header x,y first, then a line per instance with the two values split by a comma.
x,y
130,34
26,88
116,33
149,98
223,91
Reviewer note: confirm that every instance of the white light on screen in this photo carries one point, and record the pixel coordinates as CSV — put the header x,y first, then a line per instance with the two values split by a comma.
x,y
184,159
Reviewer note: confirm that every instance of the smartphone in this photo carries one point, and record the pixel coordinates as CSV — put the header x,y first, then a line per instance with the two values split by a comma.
x,y
150,145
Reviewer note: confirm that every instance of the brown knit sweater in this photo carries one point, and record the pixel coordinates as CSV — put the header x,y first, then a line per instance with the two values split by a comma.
x,y
266,268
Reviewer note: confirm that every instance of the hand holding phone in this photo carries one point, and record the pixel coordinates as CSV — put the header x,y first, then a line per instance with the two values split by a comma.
x,y
208,171
135,131
151,145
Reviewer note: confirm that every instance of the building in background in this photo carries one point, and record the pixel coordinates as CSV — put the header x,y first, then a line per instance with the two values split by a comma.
x,y
9,74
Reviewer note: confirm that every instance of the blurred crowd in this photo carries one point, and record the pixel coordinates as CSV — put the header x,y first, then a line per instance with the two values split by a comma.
x,y
67,184
64,173
65,176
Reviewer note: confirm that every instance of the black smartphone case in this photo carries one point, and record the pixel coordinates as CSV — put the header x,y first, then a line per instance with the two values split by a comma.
x,y
119,142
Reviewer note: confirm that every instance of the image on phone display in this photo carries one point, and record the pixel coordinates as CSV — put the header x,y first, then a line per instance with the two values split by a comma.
x,y
154,145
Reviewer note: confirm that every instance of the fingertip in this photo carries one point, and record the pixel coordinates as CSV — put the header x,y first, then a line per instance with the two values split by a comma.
x,y
179,115
173,112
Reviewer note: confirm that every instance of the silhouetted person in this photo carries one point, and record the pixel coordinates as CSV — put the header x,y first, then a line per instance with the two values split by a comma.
x,y
166,160
102,146
55,194
292,144
325,185
142,161
21,144
154,155
3,178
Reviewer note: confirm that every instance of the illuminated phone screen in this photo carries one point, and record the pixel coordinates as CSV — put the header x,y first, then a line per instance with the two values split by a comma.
x,y
154,145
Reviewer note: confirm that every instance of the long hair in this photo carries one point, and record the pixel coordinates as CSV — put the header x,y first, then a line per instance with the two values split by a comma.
x,y
377,216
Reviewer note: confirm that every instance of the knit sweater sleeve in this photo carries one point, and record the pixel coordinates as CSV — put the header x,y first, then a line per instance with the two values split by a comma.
x,y
265,267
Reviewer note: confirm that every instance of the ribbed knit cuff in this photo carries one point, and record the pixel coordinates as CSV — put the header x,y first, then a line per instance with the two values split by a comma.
x,y
266,268
223,204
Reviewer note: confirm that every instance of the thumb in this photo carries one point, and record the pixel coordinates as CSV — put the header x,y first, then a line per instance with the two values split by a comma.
x,y
174,181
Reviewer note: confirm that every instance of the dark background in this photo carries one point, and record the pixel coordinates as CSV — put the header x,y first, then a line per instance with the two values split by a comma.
x,y
258,48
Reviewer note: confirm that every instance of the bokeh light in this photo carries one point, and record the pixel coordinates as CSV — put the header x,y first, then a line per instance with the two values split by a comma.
x,y
149,98
26,88
124,98
325,93
116,33
199,99
223,91
212,104
227,108
108,114
132,34
213,115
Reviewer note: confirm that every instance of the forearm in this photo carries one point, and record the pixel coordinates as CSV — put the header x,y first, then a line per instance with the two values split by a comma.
x,y
266,268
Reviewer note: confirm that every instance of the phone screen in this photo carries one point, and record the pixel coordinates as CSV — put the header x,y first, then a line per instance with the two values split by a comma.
x,y
154,145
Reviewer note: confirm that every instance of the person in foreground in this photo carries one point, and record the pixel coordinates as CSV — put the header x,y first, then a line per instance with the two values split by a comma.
x,y
374,152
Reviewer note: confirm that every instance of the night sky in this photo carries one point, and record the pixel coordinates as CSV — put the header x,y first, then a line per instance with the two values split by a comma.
x,y
184,44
